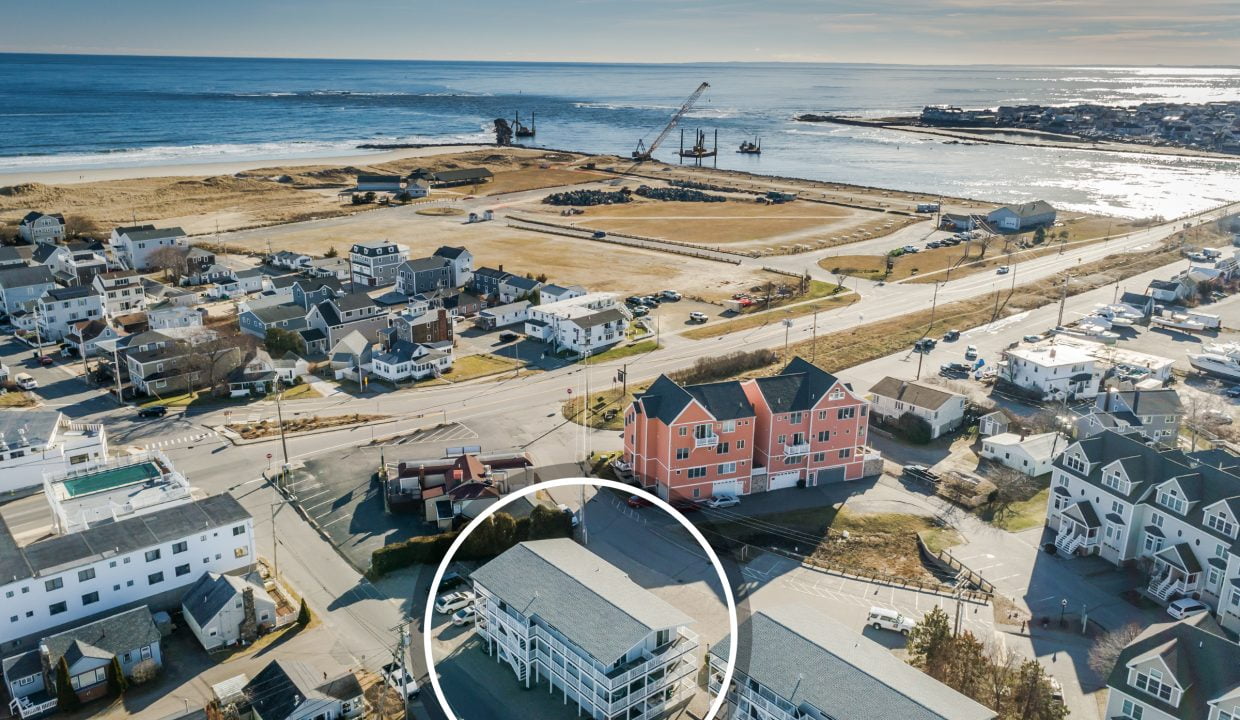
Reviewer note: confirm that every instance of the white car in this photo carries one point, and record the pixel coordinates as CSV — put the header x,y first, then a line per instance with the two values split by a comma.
x,y
1003,270
1186,607
884,619
464,616
699,317
25,381
392,675
670,295
722,501
454,601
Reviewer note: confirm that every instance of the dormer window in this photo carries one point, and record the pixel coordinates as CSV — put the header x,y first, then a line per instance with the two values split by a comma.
x,y
1221,523
1076,463
1152,682
836,394
1115,480
1170,499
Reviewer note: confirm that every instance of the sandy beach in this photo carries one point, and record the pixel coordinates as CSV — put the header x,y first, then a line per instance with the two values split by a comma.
x,y
229,167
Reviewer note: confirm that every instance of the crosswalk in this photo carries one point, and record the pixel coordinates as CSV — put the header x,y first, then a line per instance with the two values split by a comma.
x,y
183,440
446,433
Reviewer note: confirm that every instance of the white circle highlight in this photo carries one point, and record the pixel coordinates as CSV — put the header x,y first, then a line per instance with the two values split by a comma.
x,y
716,704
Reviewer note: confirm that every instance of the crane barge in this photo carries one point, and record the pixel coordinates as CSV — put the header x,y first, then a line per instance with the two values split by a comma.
x,y
644,152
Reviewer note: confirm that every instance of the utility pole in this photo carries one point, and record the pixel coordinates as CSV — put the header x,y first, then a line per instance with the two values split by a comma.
x,y
116,363
933,304
624,379
585,534
787,326
283,440
275,540
38,336
814,343
1063,298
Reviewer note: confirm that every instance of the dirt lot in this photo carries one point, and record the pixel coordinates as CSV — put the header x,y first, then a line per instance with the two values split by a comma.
x,y
743,226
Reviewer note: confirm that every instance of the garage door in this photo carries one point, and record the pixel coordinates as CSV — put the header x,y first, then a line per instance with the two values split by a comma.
x,y
831,475
728,487
782,480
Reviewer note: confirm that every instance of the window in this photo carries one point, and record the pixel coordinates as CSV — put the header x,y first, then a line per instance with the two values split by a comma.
x,y
87,574
152,555
1133,710
820,457
1153,543
729,426
822,414
845,453
1114,480
79,459
54,584
1152,683
781,439
182,570
89,678
1117,507
241,552
727,468
740,444
721,449
90,598
824,435
239,530
697,492
836,394
683,431
795,417
179,547
154,578
1156,519
57,608
697,472
1171,500
1218,521
846,413
1076,464
682,453
704,430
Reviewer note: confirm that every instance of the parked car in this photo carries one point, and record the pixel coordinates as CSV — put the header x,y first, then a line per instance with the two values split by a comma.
x,y
970,352
154,411
450,580
25,381
1003,270
454,601
508,336
640,311
598,235
697,317
921,472
47,360
1032,338
464,616
717,502
1216,417
911,249
670,295
954,370
1186,607
400,679
1233,391
632,300
951,335
637,501
884,619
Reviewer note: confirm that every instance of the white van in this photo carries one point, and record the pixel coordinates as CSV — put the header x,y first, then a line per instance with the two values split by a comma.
x,y
25,382
884,619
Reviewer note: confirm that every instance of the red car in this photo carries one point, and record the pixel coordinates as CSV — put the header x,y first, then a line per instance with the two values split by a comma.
x,y
46,360
636,501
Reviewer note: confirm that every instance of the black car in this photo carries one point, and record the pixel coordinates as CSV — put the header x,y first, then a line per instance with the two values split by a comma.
x,y
951,336
954,369
508,336
922,473
154,411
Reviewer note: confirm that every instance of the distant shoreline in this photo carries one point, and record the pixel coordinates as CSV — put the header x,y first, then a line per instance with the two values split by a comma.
x,y
1035,139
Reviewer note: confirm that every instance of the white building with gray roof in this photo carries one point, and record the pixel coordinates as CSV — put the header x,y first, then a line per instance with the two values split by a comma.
x,y
797,664
36,443
135,246
553,612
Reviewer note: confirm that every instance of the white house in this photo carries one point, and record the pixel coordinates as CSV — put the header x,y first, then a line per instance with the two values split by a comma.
x,y
73,266
993,423
290,690
63,580
404,361
795,663
1169,291
891,398
1052,371
34,443
503,315
121,291
1176,671
515,287
548,294
1030,454
583,324
165,317
58,310
552,612
21,285
135,245
37,227
222,610
462,264
1173,513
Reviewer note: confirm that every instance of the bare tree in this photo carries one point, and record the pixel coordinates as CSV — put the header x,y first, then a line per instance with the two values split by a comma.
x,y
172,260
1106,649
216,352
1204,414
1011,487
77,226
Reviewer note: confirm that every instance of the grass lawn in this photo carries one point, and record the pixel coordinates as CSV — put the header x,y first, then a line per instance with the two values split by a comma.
x,y
476,366
750,321
298,392
623,351
1025,514
16,399
600,402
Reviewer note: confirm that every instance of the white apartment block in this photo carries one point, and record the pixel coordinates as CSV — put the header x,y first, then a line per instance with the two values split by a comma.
x,y
583,324
135,245
556,614
797,664
35,443
1055,372
58,310
120,488
121,292
1114,496
67,579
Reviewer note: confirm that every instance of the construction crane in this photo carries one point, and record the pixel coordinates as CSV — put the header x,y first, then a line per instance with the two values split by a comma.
x,y
643,153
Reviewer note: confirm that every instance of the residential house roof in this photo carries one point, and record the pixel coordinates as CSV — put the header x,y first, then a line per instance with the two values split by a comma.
x,y
126,229
280,689
38,426
352,301
805,657
588,600
16,277
1168,285
521,283
35,215
452,253
799,386
602,317
1038,446
352,345
1196,657
8,254
916,394
426,263
278,313
60,294
462,174
156,233
103,639
213,591
1029,209
665,399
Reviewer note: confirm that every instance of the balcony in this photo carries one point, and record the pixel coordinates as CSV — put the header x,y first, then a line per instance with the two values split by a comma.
x,y
798,449
708,441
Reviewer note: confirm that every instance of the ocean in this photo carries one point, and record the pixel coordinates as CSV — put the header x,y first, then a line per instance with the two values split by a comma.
x,y
64,112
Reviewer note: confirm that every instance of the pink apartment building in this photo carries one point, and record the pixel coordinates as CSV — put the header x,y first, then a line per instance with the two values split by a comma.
x,y
741,437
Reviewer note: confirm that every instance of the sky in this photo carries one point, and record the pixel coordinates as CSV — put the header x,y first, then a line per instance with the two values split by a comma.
x,y
1025,32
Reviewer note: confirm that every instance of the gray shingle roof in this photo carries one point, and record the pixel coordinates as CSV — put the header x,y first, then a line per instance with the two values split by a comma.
x,y
212,593
104,638
278,313
156,233
450,252
805,657
588,600
462,174
799,386
912,393
665,399
1199,659
16,277
427,263
279,689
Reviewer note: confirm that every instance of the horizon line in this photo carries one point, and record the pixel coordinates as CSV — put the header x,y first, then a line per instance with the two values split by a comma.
x,y
609,62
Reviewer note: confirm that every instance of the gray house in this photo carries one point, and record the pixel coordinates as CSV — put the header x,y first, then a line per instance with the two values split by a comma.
x,y
260,318
129,637
1156,414
21,285
225,609
462,264
424,275
485,281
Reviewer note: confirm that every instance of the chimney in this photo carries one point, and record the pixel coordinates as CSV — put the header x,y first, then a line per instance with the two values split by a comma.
x,y
501,267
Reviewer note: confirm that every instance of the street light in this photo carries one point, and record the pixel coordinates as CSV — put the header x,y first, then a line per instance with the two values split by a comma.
x,y
1063,607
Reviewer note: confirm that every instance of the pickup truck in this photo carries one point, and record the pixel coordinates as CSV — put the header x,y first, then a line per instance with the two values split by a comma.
x,y
954,369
